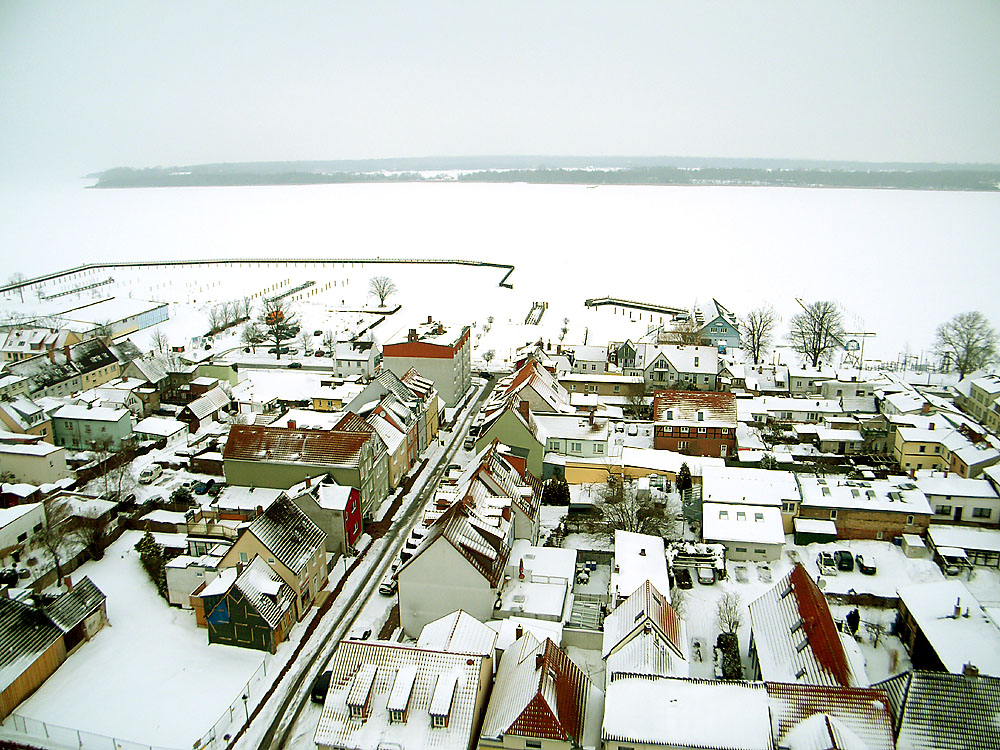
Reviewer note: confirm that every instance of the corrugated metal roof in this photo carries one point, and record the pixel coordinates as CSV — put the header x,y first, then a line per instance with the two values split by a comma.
x,y
944,711
645,606
336,728
265,591
285,445
70,609
459,633
288,533
25,633
539,692
208,403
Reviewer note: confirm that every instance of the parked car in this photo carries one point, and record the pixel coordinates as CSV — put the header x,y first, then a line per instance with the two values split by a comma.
x,y
216,489
827,564
294,365
683,578
201,488
150,474
844,560
741,574
246,349
764,572
388,586
317,333
865,564
321,686
319,353
706,575
469,444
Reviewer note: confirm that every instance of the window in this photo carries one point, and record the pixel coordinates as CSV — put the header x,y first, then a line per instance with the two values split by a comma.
x,y
942,510
396,715
553,445
682,445
741,549
981,513
244,558
723,515
758,551
923,448
533,743
701,430
576,447
833,514
909,520
37,528
937,448
22,537
599,448
788,507
440,721
758,517
878,534
701,416
696,361
741,515
684,430
616,388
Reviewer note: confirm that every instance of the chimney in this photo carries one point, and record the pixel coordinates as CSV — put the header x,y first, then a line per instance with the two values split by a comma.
x,y
525,410
945,472
52,354
558,348
412,335
913,473
505,513
69,583
518,632
308,482
291,424
539,660
66,351
970,670
642,552
930,426
260,510
520,569
239,569
958,608
430,319
925,408
590,417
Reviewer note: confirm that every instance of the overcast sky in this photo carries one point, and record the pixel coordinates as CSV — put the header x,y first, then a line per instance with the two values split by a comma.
x,y
90,85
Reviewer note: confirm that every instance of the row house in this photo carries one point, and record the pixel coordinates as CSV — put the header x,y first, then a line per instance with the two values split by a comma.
x,y
279,457
956,499
983,401
535,385
12,386
513,425
571,435
877,509
351,423
756,380
944,442
442,354
609,385
693,423
71,369
24,343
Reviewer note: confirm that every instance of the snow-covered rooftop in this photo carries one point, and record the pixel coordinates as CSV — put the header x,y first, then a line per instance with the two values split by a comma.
x,y
725,484
742,523
898,495
638,558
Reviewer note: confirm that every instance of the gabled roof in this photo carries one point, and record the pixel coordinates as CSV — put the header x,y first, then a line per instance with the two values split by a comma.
x,y
208,403
539,692
795,637
644,608
863,712
457,633
716,407
70,609
265,591
476,540
944,711
288,533
421,386
286,445
391,435
352,423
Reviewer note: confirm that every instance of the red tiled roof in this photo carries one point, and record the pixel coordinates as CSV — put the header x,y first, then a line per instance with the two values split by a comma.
x,y
351,422
285,445
564,720
717,406
865,711
818,623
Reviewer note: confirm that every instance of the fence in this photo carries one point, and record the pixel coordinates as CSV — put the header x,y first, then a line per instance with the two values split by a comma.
x,y
53,735
238,712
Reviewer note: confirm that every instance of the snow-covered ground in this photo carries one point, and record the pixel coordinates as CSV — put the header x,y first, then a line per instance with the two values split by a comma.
x,y
567,242
151,676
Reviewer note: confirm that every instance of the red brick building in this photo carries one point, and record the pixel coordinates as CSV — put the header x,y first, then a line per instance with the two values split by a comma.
x,y
696,423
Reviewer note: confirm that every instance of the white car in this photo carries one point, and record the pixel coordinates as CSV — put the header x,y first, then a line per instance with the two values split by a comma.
x,y
150,474
826,563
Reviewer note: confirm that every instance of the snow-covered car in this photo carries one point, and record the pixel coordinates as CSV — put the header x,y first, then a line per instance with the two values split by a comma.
x,y
150,474
388,587
764,572
826,563
706,575
865,564
740,571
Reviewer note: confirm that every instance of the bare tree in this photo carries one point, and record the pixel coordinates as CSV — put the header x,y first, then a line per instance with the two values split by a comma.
x,y
728,612
237,417
758,331
17,278
305,341
620,507
817,331
50,537
770,433
246,308
158,341
232,308
488,355
216,318
279,322
91,529
684,332
635,405
382,287
967,342
251,335
329,342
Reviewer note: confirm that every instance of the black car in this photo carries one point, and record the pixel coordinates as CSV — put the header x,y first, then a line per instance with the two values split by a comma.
x,y
865,565
683,578
201,488
295,366
8,577
844,560
321,686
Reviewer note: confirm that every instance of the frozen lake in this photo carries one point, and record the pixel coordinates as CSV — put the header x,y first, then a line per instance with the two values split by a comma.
x,y
900,262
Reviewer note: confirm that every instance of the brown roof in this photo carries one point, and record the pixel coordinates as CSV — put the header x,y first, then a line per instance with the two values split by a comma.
x,y
819,627
563,721
865,711
290,446
716,406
